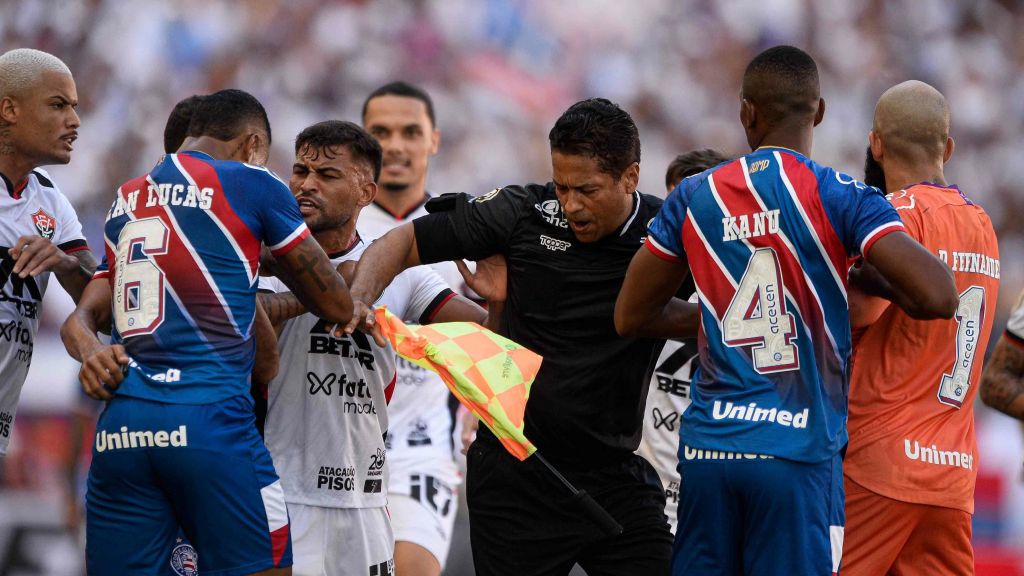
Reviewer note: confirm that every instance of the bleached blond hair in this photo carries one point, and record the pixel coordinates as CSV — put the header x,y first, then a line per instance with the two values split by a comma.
x,y
21,68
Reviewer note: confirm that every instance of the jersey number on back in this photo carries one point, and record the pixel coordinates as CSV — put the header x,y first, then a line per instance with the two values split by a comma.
x,y
139,283
969,316
757,316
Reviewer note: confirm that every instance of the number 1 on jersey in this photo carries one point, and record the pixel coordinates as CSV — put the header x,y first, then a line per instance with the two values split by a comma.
x,y
757,316
954,385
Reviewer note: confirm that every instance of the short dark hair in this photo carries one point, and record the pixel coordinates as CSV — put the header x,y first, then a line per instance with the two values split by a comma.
x,y
328,134
783,82
404,89
178,122
223,115
599,129
690,163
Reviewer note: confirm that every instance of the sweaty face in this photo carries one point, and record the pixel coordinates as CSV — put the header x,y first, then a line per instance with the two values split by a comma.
x,y
47,124
407,137
594,202
327,184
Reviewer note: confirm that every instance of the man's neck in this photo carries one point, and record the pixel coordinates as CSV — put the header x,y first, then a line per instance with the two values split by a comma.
x,y
15,167
900,175
799,140
401,203
216,149
337,240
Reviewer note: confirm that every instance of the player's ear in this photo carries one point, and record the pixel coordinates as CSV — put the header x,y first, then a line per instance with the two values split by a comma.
x,y
255,149
820,114
367,192
435,141
948,152
748,113
630,177
877,149
8,110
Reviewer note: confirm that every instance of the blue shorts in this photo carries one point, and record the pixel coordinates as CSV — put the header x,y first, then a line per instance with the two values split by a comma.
x,y
740,515
158,466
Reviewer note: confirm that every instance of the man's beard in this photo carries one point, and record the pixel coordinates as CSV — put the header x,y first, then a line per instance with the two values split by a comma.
x,y
323,224
395,186
873,173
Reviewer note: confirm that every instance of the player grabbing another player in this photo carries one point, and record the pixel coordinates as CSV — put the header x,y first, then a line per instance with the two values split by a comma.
x,y
424,476
39,230
328,408
177,443
767,238
911,463
670,387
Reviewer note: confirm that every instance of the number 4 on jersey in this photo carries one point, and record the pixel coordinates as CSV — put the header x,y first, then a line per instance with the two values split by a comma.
x,y
757,316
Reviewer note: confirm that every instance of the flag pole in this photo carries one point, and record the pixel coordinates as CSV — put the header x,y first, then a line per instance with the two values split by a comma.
x,y
598,514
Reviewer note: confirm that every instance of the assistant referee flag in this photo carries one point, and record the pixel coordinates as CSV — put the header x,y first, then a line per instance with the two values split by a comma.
x,y
489,374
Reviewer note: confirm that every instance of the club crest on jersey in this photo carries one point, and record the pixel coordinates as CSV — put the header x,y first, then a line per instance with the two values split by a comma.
x,y
45,224
185,560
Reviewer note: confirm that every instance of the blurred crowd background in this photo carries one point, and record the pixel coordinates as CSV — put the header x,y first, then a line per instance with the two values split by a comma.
x,y
500,72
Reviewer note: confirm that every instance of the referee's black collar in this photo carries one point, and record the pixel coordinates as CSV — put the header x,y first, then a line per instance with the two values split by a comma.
x,y
621,231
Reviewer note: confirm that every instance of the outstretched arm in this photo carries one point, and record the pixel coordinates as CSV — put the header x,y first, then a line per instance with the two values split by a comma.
x,y
647,306
378,266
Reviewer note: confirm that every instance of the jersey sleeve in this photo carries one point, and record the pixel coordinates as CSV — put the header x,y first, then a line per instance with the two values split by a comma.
x,y
428,293
461,226
665,233
103,270
860,214
283,226
68,236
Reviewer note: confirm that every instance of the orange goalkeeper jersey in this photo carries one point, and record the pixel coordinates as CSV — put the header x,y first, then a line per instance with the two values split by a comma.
x,y
913,382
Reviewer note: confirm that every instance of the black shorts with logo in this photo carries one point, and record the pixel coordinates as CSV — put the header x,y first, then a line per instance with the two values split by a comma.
x,y
524,522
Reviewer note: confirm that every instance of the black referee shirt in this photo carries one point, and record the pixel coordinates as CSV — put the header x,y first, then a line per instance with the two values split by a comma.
x,y
586,406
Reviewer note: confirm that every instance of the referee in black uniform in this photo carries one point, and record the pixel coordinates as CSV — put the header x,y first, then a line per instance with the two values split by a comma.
x,y
568,244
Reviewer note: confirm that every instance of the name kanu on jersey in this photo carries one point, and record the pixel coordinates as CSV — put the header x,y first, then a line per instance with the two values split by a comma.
x,y
189,196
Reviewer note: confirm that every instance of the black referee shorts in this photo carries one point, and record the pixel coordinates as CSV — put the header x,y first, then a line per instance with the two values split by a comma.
x,y
524,522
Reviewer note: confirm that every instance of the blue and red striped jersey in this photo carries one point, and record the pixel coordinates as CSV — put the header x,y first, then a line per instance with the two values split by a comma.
x,y
182,257
767,238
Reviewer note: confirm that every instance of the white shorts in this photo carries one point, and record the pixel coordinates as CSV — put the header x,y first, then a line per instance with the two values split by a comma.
x,y
341,541
428,520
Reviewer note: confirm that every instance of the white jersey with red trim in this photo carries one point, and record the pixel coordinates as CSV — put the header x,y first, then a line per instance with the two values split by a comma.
x,y
35,207
1015,325
420,440
327,408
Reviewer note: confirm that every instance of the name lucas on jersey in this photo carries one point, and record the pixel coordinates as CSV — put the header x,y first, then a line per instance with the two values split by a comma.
x,y
189,196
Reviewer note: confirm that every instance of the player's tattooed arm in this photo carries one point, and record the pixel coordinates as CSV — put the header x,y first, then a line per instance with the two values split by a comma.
x,y
77,278
1002,383
308,272
281,307
102,365
378,266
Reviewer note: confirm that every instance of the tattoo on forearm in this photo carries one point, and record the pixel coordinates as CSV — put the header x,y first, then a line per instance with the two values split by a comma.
x,y
281,307
310,265
87,261
1002,385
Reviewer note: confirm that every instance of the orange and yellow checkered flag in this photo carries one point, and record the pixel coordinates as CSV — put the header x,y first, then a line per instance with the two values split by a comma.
x,y
489,374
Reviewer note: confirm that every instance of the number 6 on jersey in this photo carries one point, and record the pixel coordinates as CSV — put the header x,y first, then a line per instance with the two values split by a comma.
x,y
757,316
139,284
